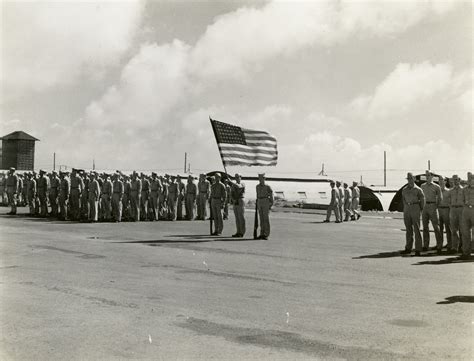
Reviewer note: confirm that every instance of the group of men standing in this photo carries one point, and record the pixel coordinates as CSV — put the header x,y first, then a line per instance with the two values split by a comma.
x,y
451,209
344,202
92,197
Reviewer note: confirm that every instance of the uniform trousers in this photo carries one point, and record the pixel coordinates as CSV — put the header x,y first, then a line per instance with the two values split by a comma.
x,y
153,205
455,217
347,209
333,208
179,207
239,213
62,206
216,212
12,201
263,207
93,208
53,201
117,207
134,206
74,201
444,223
467,229
411,217
172,199
202,206
355,206
430,213
43,203
189,205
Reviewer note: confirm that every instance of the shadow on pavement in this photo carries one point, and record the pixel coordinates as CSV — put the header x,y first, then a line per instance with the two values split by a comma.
x,y
190,240
456,299
383,255
452,260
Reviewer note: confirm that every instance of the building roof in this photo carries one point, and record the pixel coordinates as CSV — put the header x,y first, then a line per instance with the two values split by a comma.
x,y
18,135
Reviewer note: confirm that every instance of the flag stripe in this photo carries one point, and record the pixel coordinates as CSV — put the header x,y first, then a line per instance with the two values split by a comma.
x,y
248,147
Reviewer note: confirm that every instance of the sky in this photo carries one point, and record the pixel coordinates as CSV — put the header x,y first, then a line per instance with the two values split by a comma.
x,y
132,84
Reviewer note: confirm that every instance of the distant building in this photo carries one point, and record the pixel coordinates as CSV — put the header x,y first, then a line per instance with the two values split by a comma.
x,y
18,150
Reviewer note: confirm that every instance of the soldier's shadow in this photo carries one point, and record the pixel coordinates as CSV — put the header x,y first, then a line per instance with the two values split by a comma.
x,y
383,255
189,239
451,260
456,299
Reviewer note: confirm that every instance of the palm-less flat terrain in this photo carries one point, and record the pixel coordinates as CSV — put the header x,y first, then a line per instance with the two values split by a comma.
x,y
168,291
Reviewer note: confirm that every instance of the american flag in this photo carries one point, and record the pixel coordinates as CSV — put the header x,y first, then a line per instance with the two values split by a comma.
x,y
240,146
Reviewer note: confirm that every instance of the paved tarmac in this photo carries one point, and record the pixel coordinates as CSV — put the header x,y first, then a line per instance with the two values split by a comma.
x,y
169,291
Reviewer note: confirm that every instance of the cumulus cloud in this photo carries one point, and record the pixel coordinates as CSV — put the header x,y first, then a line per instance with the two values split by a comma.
x,y
404,87
46,44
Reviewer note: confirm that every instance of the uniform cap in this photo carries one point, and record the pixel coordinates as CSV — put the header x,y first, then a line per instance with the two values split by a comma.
x,y
338,182
153,173
54,172
455,176
12,169
409,175
42,171
261,174
354,183
428,173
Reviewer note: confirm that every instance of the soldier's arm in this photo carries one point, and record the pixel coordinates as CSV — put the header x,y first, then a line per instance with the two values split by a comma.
x,y
439,197
271,195
421,198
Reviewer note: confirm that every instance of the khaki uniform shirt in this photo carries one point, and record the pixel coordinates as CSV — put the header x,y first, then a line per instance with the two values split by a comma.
x,y
456,197
55,182
445,201
265,192
191,188
468,196
432,192
413,195
237,192
64,187
218,191
118,187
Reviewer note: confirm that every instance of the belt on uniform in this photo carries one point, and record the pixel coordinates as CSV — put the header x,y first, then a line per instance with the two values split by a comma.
x,y
216,197
117,192
262,198
412,203
456,206
443,207
74,187
430,202
203,192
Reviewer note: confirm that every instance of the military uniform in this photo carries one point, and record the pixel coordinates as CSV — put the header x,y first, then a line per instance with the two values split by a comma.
x,y
63,197
218,197
340,194
333,205
264,203
467,223
144,199
155,186
22,189
456,205
31,194
84,199
443,211
180,201
433,197
172,199
12,191
413,203
355,201
135,193
42,186
3,188
237,194
77,187
94,194
163,199
204,191
347,202
190,199
126,198
54,194
117,196
227,201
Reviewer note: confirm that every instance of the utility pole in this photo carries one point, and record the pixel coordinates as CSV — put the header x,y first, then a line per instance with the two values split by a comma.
x,y
54,161
384,168
189,167
185,161
429,165
93,164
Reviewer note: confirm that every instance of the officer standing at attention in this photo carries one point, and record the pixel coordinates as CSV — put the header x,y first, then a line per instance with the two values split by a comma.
x,y
155,186
172,198
54,193
467,217
456,204
443,210
227,201
31,193
333,204
191,196
433,198
94,193
126,197
264,204
164,198
117,187
12,190
347,202
145,197
180,201
218,197
237,194
77,187
84,196
204,192
413,204
63,195
135,191
43,188
340,194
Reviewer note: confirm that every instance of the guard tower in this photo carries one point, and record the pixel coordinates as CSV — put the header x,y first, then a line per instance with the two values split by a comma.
x,y
18,150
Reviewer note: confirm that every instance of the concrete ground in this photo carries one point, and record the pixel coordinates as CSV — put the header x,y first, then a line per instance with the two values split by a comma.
x,y
169,291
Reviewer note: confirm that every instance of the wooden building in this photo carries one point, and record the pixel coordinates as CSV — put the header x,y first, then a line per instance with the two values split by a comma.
x,y
18,150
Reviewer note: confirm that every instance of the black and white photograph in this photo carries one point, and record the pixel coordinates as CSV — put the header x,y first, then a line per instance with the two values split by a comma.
x,y
236,180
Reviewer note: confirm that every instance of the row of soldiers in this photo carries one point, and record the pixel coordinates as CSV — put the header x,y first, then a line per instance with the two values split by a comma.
x,y
446,208
89,196
344,202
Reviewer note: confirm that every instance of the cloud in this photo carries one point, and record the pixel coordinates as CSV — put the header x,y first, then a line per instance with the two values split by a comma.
x,y
48,44
404,87
237,44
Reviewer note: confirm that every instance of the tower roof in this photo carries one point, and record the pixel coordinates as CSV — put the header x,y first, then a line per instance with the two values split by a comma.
x,y
18,135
